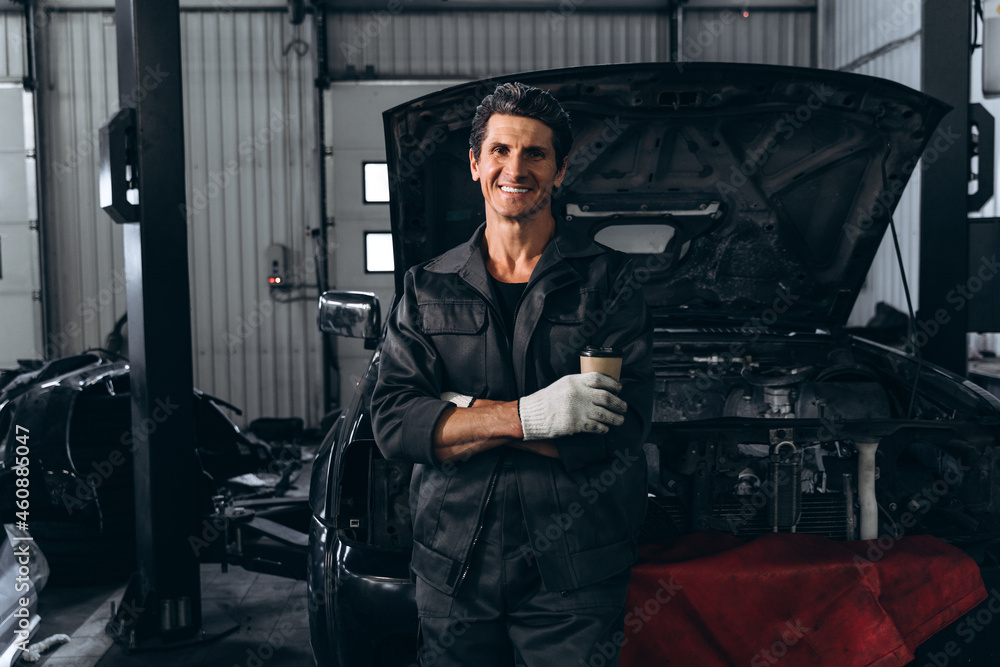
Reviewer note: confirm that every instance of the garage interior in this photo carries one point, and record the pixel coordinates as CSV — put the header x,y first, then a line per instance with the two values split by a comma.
x,y
192,269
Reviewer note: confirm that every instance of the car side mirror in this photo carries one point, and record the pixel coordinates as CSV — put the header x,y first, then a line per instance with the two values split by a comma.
x,y
350,314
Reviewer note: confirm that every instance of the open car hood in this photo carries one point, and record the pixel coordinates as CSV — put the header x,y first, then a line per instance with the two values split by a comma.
x,y
747,191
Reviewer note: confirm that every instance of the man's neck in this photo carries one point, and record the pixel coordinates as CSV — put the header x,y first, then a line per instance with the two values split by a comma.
x,y
512,249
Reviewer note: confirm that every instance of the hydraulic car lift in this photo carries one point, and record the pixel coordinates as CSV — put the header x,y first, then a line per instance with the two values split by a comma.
x,y
143,188
948,259
143,155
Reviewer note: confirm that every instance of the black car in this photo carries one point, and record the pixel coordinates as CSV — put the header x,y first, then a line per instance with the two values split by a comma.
x,y
754,199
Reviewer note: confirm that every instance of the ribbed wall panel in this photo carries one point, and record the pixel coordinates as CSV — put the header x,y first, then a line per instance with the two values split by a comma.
x,y
471,44
884,282
250,148
881,38
84,262
860,27
769,36
12,46
251,161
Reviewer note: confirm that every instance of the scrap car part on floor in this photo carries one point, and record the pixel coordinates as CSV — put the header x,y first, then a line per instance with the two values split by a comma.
x,y
79,414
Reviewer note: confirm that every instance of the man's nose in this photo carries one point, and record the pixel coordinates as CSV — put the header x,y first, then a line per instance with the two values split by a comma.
x,y
516,166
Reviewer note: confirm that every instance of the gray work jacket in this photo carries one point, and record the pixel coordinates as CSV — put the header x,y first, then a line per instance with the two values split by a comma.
x,y
446,333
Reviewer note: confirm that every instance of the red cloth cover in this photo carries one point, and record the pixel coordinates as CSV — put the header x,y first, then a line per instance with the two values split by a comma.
x,y
791,599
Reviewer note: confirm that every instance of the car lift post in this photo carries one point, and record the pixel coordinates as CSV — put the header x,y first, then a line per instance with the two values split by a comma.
x,y
944,227
163,599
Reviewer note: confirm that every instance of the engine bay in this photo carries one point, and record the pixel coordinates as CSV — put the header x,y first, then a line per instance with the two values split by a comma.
x,y
795,434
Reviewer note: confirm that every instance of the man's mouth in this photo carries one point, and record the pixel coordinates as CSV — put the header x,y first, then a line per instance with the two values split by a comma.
x,y
514,191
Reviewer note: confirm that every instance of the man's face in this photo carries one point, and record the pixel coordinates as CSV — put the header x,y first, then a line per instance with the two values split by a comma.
x,y
517,168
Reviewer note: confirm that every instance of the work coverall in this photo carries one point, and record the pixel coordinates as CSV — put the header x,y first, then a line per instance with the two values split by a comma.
x,y
581,512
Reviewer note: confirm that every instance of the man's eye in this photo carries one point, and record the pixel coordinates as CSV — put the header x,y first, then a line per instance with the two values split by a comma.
x,y
500,150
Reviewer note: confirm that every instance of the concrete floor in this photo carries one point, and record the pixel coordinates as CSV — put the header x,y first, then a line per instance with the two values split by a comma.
x,y
268,615
270,612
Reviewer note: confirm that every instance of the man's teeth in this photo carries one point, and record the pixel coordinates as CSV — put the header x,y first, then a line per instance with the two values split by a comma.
x,y
513,190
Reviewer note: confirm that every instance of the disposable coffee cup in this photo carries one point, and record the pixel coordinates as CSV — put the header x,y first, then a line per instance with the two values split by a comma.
x,y
605,360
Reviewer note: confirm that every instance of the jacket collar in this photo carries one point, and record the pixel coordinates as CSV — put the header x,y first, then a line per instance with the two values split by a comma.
x,y
551,273
467,260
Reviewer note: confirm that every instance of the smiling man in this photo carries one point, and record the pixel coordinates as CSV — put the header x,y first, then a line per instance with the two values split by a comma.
x,y
518,560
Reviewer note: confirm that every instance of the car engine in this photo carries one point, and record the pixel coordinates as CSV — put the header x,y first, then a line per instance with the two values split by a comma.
x,y
797,435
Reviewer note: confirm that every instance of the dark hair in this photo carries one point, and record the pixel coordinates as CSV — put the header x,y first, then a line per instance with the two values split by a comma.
x,y
518,99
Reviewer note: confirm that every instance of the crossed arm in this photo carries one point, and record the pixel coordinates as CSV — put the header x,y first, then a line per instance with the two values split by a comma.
x,y
462,432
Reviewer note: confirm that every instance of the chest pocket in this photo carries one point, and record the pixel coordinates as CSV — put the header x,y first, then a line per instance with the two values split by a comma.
x,y
573,320
458,331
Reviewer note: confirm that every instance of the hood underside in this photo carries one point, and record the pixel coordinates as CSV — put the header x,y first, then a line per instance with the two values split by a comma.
x,y
747,191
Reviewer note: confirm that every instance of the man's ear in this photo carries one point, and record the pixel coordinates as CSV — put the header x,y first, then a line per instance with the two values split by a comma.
x,y
473,166
561,174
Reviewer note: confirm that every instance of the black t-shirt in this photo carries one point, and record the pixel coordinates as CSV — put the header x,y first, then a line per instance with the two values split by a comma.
x,y
507,294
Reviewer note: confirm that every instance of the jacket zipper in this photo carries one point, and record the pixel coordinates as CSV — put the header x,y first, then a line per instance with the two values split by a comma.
x,y
495,476
479,526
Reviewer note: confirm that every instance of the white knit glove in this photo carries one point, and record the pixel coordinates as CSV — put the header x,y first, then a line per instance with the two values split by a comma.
x,y
581,403
461,400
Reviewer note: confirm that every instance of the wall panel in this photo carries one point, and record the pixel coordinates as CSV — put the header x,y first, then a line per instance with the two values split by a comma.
x,y
84,264
479,44
12,46
884,282
250,148
881,38
769,36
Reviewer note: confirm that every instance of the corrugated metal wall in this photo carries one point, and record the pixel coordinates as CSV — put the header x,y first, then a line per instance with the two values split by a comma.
x,y
770,36
481,44
85,268
252,151
881,38
12,46
251,155
478,44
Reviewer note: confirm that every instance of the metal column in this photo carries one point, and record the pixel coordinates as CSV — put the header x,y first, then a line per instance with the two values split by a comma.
x,y
944,231
163,600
